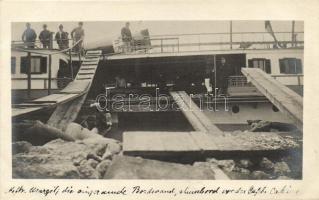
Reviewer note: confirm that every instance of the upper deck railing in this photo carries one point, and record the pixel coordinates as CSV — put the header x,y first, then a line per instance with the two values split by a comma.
x,y
212,41
37,44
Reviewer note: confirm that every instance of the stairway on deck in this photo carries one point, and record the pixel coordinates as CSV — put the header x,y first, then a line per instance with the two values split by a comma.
x,y
67,113
77,89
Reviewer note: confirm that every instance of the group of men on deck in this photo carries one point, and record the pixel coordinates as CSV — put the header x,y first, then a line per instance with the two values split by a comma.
x,y
61,37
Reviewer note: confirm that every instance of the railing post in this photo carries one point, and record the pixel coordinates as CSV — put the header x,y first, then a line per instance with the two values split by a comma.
x,y
49,75
51,41
44,83
79,59
29,74
70,64
198,42
161,45
298,80
231,34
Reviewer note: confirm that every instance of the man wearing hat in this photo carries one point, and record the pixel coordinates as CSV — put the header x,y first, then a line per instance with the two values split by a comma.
x,y
29,36
62,38
77,34
45,37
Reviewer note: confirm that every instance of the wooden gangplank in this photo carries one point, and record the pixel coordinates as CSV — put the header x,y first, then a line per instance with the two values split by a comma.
x,y
206,139
66,113
194,114
286,100
170,144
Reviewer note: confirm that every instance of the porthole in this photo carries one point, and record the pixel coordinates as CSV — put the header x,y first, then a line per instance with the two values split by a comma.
x,y
275,109
235,109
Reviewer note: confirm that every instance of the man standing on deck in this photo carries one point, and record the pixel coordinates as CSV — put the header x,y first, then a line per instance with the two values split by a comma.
x,y
62,38
45,37
223,71
126,37
77,34
29,36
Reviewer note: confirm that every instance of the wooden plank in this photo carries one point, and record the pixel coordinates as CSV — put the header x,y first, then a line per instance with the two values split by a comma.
x,y
168,143
66,113
204,141
80,76
158,142
52,97
212,129
76,87
25,105
286,100
150,142
66,97
21,111
177,141
195,116
192,119
40,102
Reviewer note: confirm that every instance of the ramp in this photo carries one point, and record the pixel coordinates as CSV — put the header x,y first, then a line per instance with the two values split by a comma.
x,y
66,113
194,115
286,100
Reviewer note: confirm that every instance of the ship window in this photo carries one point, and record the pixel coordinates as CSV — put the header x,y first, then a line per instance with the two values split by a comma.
x,y
290,66
13,65
261,63
38,65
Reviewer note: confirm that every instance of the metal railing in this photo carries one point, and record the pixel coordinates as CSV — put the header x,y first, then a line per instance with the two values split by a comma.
x,y
219,41
37,44
241,81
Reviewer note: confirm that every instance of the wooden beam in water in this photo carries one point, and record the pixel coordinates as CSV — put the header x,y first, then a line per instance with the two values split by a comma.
x,y
194,115
286,100
66,113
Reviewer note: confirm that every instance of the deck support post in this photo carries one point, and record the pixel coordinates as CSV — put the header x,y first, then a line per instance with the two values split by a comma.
x,y
70,64
29,74
231,34
49,75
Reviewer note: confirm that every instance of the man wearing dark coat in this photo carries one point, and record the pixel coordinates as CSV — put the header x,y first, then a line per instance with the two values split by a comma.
x,y
29,36
223,71
62,38
45,37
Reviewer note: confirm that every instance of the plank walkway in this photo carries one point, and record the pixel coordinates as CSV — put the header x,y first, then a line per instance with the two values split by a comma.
x,y
194,115
152,143
286,100
67,113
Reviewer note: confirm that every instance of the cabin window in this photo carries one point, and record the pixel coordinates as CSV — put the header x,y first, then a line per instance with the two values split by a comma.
x,y
13,65
261,63
38,65
290,66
